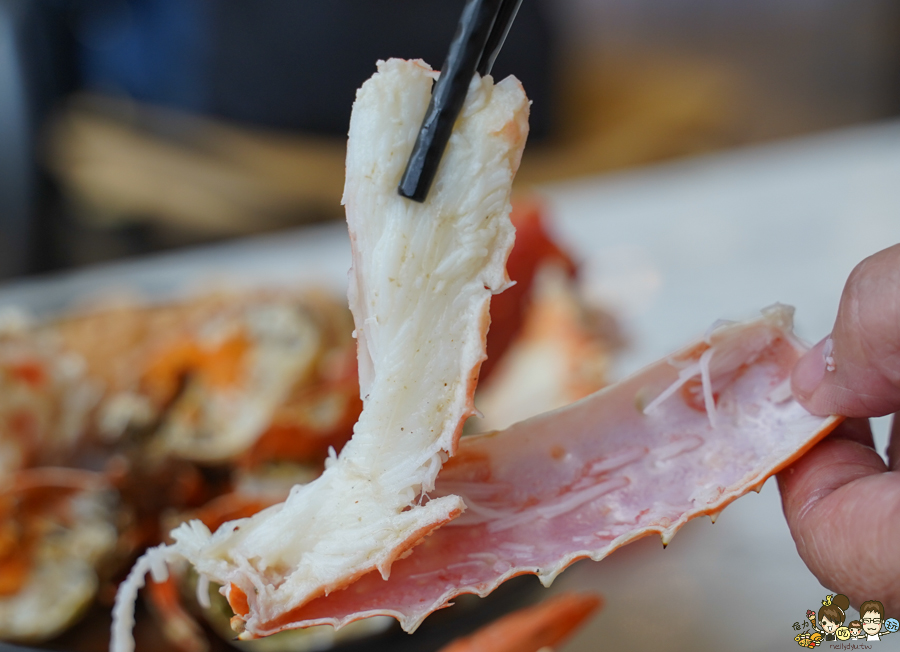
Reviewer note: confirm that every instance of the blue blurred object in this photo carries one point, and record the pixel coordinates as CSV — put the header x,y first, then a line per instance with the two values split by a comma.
x,y
151,50
288,64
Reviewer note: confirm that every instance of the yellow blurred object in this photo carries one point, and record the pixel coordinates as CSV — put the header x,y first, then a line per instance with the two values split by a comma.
x,y
192,172
627,111
121,163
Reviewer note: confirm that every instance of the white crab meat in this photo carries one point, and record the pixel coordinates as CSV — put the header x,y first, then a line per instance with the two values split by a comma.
x,y
420,291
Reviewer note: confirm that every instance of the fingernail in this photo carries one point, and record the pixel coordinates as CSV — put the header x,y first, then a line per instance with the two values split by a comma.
x,y
810,369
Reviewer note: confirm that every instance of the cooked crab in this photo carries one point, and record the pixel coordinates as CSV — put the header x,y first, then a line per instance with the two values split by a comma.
x,y
379,532
56,529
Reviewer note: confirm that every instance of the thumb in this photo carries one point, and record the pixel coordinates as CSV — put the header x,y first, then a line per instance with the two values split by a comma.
x,y
855,372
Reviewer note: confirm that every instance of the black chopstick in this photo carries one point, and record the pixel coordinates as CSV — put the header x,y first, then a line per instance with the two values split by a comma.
x,y
482,29
504,20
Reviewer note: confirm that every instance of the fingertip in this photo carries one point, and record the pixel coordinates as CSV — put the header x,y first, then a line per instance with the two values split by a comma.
x,y
861,359
834,377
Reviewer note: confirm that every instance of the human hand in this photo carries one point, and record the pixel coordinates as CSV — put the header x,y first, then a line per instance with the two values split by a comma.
x,y
841,501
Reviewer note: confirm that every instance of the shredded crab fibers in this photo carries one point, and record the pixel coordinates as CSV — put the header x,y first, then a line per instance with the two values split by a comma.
x,y
591,477
420,290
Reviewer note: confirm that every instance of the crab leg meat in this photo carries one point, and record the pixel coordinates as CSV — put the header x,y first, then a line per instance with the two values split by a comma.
x,y
591,477
420,290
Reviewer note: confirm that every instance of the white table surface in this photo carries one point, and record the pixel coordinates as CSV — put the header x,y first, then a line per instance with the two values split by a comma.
x,y
670,249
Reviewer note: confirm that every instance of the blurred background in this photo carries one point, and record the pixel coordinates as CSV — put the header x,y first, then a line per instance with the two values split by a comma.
x,y
130,126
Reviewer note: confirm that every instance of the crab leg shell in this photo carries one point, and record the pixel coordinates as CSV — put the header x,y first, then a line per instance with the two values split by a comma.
x,y
589,478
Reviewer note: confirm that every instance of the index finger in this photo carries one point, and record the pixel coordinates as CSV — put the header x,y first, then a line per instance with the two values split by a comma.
x,y
855,372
